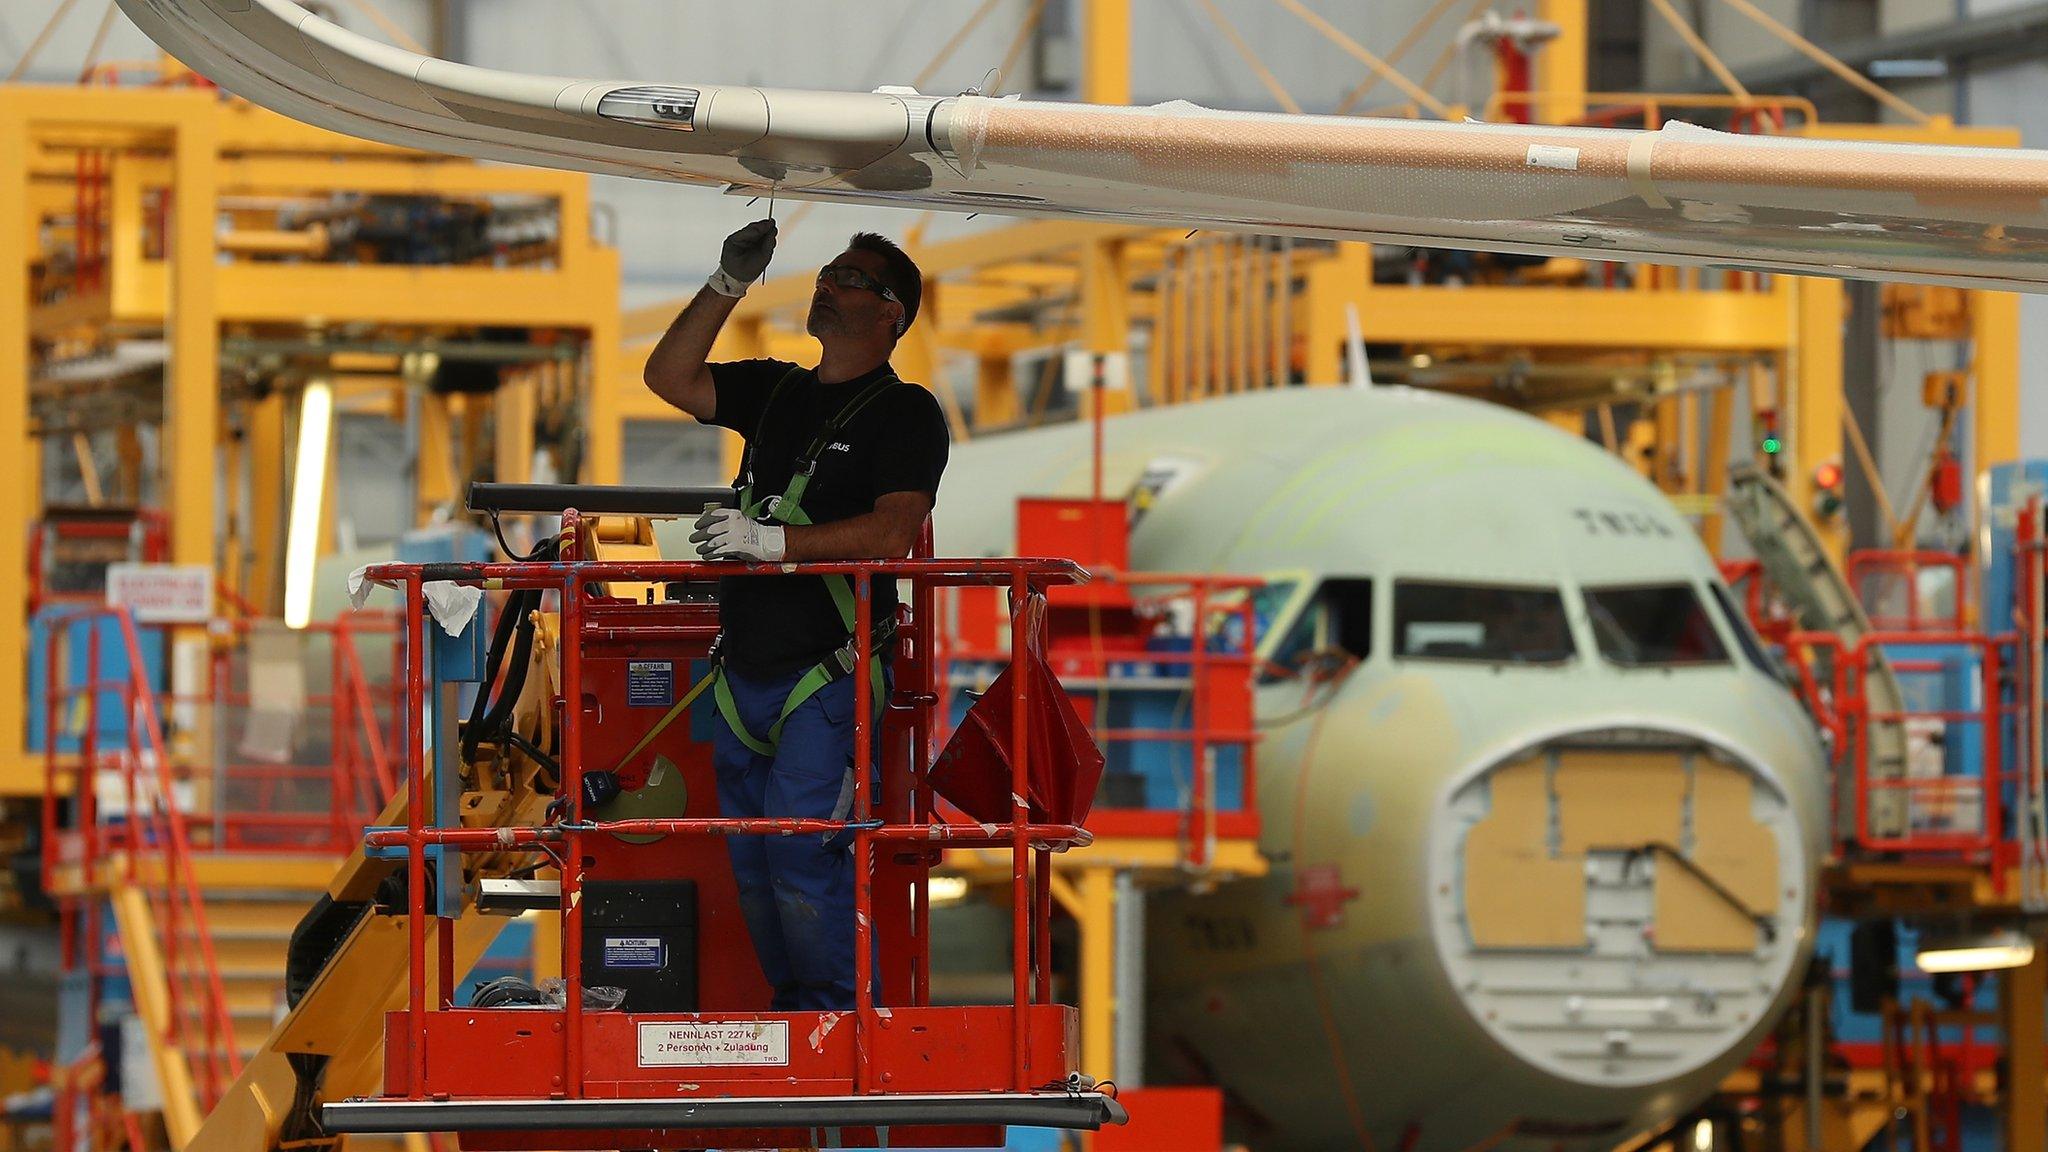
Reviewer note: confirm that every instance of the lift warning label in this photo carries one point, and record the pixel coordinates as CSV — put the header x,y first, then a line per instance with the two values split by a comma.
x,y
701,1045
635,952
650,683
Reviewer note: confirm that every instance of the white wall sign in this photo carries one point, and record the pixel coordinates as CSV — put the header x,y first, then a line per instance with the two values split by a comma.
x,y
162,593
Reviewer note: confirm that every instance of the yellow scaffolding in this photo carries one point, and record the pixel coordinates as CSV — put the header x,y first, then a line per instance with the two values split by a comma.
x,y
173,156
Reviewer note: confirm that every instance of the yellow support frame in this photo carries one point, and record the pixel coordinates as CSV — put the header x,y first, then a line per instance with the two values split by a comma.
x,y
1652,319
1106,52
149,981
197,146
1561,64
568,295
1812,392
1084,883
185,120
191,409
1106,316
1995,373
264,587
2022,1003
18,774
1090,898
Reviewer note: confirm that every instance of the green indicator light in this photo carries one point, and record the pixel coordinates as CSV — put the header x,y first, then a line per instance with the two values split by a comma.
x,y
1772,444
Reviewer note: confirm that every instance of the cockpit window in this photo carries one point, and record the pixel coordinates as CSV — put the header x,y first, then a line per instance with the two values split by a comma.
x,y
1337,619
1738,623
1489,623
1653,626
1270,602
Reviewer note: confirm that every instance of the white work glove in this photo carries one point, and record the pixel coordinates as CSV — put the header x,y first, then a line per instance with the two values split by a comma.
x,y
744,258
727,534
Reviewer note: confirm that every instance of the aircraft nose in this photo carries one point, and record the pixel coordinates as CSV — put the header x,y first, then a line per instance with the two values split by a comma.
x,y
1619,904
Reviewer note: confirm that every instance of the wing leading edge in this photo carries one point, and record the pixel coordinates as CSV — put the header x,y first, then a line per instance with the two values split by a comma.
x,y
1970,217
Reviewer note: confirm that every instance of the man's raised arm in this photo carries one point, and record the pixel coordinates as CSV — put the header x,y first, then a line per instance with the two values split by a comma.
x,y
676,371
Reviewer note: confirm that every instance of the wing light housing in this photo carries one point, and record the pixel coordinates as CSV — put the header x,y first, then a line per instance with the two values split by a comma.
x,y
652,106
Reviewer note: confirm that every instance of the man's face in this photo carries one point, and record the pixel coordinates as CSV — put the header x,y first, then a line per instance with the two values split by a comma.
x,y
839,310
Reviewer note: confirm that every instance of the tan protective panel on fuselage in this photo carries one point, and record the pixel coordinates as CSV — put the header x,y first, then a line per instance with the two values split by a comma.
x,y
1516,894
1729,845
1619,800
1692,917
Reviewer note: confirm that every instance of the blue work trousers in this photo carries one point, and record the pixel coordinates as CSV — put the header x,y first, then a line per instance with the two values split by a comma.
x,y
796,892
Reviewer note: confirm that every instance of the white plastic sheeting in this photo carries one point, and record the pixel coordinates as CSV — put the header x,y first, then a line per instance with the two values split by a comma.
x,y
1966,216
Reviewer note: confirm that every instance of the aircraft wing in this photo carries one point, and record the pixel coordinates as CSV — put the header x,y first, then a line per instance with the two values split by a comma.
x,y
1971,217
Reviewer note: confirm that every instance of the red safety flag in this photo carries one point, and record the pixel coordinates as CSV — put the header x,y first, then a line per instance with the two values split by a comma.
x,y
1064,765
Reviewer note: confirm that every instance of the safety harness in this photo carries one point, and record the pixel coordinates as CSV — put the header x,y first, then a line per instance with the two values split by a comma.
x,y
788,509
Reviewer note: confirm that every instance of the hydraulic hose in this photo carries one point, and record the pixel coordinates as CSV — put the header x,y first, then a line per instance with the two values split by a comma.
x,y
500,714
489,713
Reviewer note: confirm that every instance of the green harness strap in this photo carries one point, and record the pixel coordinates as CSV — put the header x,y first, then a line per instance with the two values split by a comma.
x,y
661,725
809,685
789,510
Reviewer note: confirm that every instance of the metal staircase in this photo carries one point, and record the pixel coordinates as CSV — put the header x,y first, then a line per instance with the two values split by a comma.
x,y
128,848
252,931
179,897
1799,568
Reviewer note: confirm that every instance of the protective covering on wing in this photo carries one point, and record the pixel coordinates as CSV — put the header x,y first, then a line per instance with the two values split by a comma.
x,y
1966,216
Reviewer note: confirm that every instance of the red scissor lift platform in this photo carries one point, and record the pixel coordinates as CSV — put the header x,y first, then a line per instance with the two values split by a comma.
x,y
896,1071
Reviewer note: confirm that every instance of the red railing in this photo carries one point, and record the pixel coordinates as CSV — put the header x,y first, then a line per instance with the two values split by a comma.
x,y
308,775
1921,631
70,548
369,735
1933,807
304,790
1031,844
78,1080
1219,673
2029,613
293,795
141,784
1889,585
149,848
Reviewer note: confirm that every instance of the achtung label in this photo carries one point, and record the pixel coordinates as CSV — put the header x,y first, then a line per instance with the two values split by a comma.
x,y
683,1045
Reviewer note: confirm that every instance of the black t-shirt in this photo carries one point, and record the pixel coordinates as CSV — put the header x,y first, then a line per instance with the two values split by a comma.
x,y
775,625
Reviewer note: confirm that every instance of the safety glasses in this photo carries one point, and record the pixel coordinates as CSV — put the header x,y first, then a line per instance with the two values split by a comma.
x,y
847,276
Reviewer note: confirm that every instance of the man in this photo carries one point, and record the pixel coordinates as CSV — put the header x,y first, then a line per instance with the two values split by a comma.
x,y
842,462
